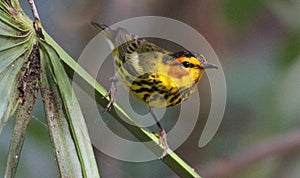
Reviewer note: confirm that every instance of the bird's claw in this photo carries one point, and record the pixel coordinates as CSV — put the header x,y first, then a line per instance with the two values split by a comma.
x,y
163,141
111,93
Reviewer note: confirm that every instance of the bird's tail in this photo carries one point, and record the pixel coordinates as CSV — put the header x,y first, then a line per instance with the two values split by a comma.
x,y
106,30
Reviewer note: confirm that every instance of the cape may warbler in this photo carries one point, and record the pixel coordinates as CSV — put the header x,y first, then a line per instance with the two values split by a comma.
x,y
158,77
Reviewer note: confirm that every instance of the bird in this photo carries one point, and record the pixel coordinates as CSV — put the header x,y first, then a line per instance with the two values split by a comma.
x,y
159,77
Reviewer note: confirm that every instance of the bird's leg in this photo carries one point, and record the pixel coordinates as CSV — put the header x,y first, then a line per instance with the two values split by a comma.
x,y
112,92
162,135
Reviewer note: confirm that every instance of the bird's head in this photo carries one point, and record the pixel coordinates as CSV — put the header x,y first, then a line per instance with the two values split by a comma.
x,y
190,64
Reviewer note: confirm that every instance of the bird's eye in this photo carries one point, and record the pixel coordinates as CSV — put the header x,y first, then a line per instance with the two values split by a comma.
x,y
186,64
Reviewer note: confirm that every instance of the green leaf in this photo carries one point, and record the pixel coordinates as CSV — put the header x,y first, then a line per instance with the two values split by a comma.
x,y
28,86
15,46
73,113
65,150
8,95
19,79
21,52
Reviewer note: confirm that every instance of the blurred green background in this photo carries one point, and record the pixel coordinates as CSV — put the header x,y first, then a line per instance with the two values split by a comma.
x,y
258,44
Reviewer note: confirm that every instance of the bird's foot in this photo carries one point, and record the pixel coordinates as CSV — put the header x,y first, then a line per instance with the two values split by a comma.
x,y
111,93
163,141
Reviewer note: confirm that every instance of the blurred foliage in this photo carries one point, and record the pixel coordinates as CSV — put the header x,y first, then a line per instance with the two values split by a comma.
x,y
258,43
240,13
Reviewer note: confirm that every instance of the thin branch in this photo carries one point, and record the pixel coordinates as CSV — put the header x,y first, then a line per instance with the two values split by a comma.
x,y
34,10
37,21
282,144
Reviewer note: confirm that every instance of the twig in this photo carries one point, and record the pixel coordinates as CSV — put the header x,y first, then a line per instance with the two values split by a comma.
x,y
37,21
282,144
34,11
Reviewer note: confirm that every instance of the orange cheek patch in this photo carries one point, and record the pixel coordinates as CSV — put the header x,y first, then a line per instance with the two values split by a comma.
x,y
177,72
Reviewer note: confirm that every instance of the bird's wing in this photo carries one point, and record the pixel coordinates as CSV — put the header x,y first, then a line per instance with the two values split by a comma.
x,y
137,53
128,43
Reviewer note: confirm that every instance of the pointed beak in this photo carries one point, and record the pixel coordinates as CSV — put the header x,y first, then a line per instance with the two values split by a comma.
x,y
208,66
205,64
